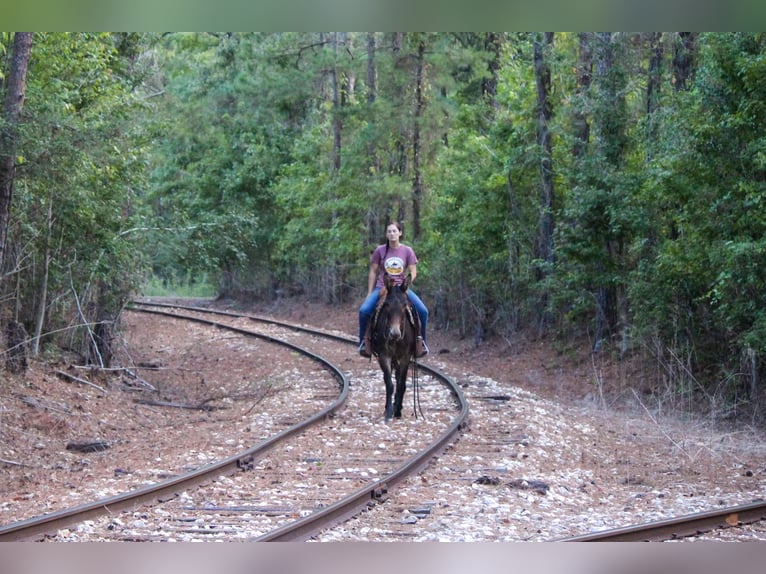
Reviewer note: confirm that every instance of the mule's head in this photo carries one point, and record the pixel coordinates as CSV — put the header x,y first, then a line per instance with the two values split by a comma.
x,y
389,284
395,308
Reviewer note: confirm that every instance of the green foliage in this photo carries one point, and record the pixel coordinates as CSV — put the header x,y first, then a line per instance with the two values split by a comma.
x,y
261,164
214,171
76,191
700,284
478,235
186,286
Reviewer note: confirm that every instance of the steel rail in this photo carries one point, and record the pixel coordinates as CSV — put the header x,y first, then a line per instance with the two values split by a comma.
x,y
372,493
167,489
681,526
252,317
454,388
662,530
304,528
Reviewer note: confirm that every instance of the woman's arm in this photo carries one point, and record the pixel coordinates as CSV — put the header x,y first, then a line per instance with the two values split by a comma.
x,y
413,270
372,278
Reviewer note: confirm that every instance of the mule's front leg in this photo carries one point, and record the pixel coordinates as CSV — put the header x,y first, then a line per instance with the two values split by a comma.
x,y
386,367
389,396
401,386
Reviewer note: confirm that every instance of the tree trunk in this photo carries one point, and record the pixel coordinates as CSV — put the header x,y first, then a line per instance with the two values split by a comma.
x,y
14,102
654,79
42,296
493,43
612,111
611,300
684,57
542,44
584,75
16,340
398,163
374,223
102,333
348,76
544,116
653,86
417,176
336,105
372,70
606,319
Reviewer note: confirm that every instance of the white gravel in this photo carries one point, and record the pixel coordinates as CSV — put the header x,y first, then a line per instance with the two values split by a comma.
x,y
528,468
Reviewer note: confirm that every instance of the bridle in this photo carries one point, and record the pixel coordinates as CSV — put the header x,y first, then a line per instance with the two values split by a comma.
x,y
400,311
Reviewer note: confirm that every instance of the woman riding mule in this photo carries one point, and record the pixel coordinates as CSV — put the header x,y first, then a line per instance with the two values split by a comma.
x,y
393,342
396,260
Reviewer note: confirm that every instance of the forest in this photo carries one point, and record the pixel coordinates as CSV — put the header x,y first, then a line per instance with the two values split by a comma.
x,y
603,192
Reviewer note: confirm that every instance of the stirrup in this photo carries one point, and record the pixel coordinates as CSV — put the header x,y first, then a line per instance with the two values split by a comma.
x,y
364,350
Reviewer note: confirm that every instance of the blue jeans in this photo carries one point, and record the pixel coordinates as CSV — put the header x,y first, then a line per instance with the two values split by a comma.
x,y
368,307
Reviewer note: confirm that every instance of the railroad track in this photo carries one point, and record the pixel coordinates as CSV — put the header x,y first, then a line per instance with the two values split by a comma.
x,y
693,525
313,479
248,495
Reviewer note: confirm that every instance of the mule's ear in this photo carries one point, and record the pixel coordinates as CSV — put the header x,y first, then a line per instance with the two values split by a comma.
x,y
407,283
387,281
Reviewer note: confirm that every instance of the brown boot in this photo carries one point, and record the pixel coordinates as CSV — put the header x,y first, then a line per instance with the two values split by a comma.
x,y
365,347
421,349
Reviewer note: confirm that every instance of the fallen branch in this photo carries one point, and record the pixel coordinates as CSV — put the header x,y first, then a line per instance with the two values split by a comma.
x,y
90,446
202,407
45,404
147,384
12,462
79,380
125,370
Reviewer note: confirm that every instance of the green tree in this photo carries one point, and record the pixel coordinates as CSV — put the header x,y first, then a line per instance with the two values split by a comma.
x,y
701,294
83,166
14,88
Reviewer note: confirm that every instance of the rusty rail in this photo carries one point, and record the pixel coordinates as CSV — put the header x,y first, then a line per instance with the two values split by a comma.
x,y
370,494
167,489
681,526
300,529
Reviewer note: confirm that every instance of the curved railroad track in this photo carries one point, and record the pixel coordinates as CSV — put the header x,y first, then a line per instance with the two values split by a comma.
x,y
692,525
327,455
324,475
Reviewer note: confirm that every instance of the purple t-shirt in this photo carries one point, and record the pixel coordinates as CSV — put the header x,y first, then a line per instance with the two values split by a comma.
x,y
396,263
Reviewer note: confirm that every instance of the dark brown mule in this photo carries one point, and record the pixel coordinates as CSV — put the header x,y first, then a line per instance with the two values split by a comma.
x,y
393,341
